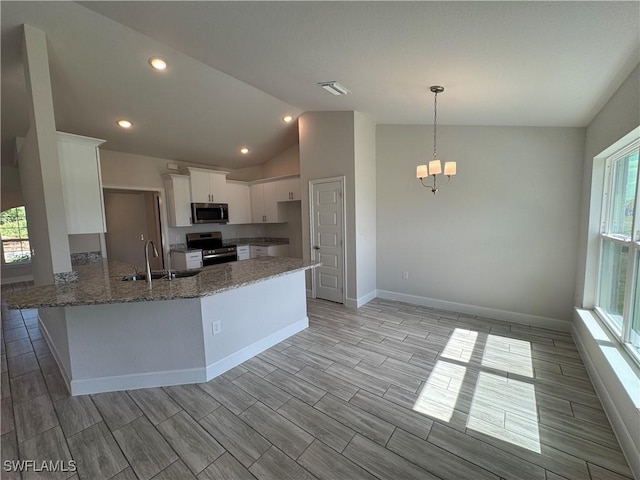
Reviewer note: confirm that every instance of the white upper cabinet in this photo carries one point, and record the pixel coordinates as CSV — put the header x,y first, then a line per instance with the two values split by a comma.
x,y
264,204
208,186
238,198
178,189
288,189
81,183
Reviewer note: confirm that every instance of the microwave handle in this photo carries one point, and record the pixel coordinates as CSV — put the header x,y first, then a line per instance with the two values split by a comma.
x,y
221,213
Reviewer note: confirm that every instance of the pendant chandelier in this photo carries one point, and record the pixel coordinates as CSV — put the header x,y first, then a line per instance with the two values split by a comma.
x,y
435,166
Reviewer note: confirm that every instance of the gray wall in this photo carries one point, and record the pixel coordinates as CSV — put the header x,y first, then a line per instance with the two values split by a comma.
x,y
327,150
365,198
610,368
39,167
501,236
617,118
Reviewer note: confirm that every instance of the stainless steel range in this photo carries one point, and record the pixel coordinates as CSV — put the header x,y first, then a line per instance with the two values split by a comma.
x,y
213,252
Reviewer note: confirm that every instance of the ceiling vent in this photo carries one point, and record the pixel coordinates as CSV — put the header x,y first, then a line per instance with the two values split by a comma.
x,y
334,88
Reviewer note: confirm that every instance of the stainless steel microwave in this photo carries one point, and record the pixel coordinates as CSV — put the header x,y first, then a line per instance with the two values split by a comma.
x,y
209,213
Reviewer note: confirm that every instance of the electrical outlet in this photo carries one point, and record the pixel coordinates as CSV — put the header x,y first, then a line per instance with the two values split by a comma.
x,y
405,275
216,327
177,238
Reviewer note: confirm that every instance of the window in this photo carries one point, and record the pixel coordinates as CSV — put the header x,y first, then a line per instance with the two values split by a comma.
x,y
618,295
15,237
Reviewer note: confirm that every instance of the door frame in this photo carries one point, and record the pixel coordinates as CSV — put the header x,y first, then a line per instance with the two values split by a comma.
x,y
312,183
164,229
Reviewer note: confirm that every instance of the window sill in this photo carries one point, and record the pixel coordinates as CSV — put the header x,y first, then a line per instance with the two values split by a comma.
x,y
618,360
15,265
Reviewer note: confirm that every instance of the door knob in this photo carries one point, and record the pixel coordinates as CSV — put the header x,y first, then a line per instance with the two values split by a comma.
x,y
315,247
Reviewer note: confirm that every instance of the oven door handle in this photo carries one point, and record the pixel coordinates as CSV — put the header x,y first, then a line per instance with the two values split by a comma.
x,y
218,255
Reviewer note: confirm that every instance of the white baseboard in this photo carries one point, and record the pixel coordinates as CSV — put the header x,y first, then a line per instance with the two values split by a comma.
x,y
137,380
9,280
619,422
254,349
360,301
179,377
66,376
506,316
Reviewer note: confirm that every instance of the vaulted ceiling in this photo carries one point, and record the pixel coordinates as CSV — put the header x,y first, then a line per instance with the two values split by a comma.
x,y
235,68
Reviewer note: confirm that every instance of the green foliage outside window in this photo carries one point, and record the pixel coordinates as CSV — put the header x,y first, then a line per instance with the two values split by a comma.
x,y
15,236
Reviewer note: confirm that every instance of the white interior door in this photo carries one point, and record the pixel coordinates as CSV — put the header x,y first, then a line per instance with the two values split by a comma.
x,y
327,238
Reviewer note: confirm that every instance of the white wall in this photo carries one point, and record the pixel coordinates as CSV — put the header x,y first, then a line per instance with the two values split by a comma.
x,y
327,150
365,207
40,177
501,236
286,163
610,368
12,197
10,187
617,118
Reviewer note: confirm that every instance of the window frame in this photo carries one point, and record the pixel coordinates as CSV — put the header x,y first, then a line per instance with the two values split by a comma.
x,y
623,335
6,264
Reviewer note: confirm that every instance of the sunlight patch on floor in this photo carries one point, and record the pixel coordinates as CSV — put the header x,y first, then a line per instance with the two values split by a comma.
x,y
460,346
505,409
439,394
509,355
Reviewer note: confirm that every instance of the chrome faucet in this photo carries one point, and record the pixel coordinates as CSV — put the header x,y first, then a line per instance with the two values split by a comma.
x,y
170,266
146,257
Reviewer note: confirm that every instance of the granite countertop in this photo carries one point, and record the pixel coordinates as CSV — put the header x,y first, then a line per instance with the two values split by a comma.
x,y
259,241
100,283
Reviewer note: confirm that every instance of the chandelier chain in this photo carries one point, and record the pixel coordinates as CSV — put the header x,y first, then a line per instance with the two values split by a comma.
x,y
435,123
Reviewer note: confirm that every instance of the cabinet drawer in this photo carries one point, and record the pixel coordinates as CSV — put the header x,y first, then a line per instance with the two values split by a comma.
x,y
257,251
194,256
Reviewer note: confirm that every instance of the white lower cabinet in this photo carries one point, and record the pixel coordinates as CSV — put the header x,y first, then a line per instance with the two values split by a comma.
x,y
244,252
259,251
269,251
186,260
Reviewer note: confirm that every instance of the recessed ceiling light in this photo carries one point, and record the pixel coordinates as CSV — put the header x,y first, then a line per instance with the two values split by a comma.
x,y
125,123
158,63
287,118
244,150
334,88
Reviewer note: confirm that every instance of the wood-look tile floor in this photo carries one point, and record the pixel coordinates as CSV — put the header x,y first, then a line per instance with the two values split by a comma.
x,y
390,391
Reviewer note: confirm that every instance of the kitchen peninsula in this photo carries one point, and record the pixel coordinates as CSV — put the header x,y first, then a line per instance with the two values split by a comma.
x,y
107,334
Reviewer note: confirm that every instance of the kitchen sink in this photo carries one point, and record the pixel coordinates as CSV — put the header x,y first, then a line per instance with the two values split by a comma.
x,y
143,276
160,274
184,273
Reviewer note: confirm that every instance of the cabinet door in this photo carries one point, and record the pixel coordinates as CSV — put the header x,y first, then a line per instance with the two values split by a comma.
x,y
244,252
238,198
200,187
270,195
257,203
289,189
178,192
81,183
218,187
259,251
